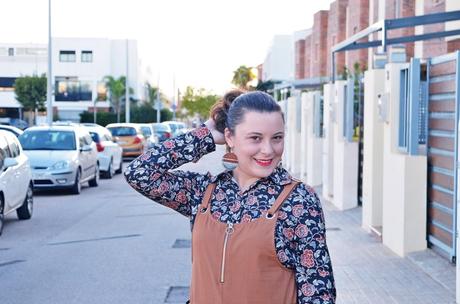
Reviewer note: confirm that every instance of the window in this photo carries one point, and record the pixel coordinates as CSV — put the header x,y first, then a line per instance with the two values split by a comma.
x,y
14,147
412,109
10,52
86,56
101,91
72,89
47,140
67,56
403,137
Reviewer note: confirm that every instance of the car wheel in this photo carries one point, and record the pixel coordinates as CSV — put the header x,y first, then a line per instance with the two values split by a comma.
x,y
111,171
76,188
2,210
25,211
120,169
95,181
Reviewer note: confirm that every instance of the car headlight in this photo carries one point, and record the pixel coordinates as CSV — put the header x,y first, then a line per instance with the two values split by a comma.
x,y
63,164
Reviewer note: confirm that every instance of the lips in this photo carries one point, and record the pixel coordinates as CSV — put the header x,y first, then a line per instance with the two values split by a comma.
x,y
264,162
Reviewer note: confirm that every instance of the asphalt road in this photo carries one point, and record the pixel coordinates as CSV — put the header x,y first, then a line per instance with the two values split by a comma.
x,y
107,245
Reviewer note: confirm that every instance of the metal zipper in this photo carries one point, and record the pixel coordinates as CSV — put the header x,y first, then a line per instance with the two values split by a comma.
x,y
228,231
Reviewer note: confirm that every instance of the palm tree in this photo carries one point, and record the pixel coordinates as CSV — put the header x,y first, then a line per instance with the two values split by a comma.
x,y
242,76
116,88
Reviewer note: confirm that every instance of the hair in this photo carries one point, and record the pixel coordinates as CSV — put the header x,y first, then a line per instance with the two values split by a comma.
x,y
229,111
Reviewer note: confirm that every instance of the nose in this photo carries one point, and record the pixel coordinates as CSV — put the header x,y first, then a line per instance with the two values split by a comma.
x,y
267,148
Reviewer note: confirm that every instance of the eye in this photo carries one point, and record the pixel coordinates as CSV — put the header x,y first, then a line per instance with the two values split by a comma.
x,y
278,137
255,138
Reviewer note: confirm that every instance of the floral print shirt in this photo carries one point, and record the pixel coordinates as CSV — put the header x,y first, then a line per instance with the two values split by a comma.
x,y
300,230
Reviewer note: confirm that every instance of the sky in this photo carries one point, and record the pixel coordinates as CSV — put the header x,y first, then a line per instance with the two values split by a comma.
x,y
194,42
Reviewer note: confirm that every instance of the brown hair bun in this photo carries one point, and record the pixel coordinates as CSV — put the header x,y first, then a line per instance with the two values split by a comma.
x,y
219,110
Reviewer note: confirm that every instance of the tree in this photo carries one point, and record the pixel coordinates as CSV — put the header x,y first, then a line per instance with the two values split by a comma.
x,y
31,92
152,97
116,88
198,101
242,76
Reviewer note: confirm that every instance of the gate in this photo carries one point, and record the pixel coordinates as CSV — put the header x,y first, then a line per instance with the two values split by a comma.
x,y
442,150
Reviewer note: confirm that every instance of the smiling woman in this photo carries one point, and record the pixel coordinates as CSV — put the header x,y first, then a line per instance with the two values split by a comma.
x,y
258,235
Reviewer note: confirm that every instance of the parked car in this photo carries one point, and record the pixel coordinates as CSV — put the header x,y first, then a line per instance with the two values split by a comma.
x,y
149,134
61,156
177,127
15,179
129,137
109,153
12,129
162,131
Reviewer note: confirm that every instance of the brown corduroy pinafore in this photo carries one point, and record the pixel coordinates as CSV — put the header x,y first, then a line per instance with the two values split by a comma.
x,y
237,263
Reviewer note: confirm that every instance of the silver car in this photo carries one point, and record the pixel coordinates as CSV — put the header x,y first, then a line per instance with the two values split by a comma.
x,y
109,153
61,156
149,134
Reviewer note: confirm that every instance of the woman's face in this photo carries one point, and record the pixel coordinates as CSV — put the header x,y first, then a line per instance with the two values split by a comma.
x,y
258,142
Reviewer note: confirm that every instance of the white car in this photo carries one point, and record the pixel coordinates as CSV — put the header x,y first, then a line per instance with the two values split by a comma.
x,y
149,134
109,153
16,188
61,157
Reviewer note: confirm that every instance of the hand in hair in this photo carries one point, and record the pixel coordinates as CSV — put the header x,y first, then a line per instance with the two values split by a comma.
x,y
216,135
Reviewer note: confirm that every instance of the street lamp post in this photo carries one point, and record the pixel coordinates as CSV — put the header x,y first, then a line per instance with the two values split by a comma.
x,y
127,101
49,89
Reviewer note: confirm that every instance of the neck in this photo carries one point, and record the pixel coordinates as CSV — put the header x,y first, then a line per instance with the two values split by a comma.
x,y
243,180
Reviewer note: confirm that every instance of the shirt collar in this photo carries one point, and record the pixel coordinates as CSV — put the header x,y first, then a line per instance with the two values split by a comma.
x,y
279,176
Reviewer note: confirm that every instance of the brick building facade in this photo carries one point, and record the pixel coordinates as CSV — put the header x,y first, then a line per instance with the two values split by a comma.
x,y
357,20
318,46
300,59
336,32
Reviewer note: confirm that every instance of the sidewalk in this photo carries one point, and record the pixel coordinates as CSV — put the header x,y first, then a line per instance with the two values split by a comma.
x,y
366,271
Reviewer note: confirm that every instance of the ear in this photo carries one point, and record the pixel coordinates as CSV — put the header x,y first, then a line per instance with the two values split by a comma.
x,y
228,137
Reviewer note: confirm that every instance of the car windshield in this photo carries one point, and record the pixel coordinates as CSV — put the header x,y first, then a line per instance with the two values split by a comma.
x,y
173,127
48,140
146,131
122,131
160,127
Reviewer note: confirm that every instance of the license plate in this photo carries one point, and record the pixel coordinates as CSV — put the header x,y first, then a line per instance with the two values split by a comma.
x,y
122,142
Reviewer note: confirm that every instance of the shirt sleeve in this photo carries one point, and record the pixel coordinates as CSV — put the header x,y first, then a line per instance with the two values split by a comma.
x,y
300,241
150,174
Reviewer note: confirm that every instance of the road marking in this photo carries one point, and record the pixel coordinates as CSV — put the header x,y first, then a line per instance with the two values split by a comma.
x,y
11,262
95,240
146,214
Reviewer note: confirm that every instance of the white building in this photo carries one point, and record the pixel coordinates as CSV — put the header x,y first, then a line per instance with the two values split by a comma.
x,y
78,70
279,61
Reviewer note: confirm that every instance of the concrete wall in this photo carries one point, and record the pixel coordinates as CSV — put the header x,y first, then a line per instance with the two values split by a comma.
x,y
279,61
329,116
404,182
294,136
345,158
374,86
311,146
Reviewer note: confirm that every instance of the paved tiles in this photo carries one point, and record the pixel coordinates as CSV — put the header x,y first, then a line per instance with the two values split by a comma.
x,y
368,272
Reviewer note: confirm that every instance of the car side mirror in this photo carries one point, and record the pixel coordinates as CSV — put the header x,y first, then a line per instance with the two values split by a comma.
x,y
9,162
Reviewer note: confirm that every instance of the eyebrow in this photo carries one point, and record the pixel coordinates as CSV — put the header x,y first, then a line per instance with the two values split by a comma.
x,y
260,134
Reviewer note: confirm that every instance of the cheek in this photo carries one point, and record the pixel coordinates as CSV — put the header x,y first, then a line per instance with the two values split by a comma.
x,y
279,148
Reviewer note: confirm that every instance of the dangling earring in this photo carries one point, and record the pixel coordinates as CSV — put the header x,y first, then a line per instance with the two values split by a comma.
x,y
230,160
